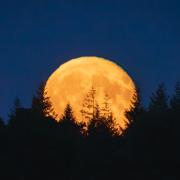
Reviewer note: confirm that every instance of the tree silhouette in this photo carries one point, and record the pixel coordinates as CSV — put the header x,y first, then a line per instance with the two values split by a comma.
x,y
106,108
98,119
1,123
94,121
175,121
68,115
41,104
135,117
175,100
34,146
135,109
17,103
159,100
101,126
159,114
13,112
88,107
68,123
175,111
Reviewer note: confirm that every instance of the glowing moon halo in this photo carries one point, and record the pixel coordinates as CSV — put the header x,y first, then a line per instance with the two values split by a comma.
x,y
71,82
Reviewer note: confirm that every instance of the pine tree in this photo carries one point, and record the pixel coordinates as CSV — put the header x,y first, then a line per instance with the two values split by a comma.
x,y
159,100
17,103
101,125
107,115
94,122
68,114
68,124
13,112
175,100
135,118
159,114
89,103
19,117
96,117
1,123
106,109
175,114
41,103
135,108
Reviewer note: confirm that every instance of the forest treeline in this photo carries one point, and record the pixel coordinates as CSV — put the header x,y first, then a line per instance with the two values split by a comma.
x,y
33,145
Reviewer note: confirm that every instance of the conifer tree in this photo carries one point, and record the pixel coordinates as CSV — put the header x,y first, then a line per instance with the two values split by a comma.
x,y
89,103
17,103
175,113
67,123
1,123
135,108
13,112
175,100
106,109
159,114
68,114
41,103
101,125
159,100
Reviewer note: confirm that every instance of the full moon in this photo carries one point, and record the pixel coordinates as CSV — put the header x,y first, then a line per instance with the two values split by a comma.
x,y
72,81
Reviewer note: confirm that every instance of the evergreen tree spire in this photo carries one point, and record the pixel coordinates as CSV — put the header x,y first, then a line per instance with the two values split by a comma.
x,y
68,114
89,105
135,108
41,103
1,123
17,105
175,100
68,124
106,109
159,100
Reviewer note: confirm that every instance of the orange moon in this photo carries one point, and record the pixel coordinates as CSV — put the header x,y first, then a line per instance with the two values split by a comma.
x,y
71,82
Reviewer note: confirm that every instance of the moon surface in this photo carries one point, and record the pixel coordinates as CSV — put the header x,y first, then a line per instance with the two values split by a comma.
x,y
71,82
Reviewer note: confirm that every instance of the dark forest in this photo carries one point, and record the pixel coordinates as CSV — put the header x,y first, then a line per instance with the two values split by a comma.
x,y
33,145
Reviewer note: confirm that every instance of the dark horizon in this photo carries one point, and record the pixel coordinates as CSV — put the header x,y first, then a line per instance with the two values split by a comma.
x,y
34,145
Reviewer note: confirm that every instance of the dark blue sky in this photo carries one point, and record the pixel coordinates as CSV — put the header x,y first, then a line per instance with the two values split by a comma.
x,y
37,36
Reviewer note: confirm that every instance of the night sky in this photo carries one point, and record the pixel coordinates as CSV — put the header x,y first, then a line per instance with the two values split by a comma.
x,y
37,36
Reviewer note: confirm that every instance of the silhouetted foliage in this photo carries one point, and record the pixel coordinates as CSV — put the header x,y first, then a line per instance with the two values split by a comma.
x,y
134,110
159,112
68,124
13,112
174,123
159,100
175,100
1,123
89,103
101,127
134,115
97,125
35,146
106,108
41,104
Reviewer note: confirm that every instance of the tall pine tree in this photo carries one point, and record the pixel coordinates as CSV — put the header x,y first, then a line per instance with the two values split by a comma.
x,y
106,107
175,100
159,100
101,125
89,105
1,123
68,124
135,109
41,103
13,112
